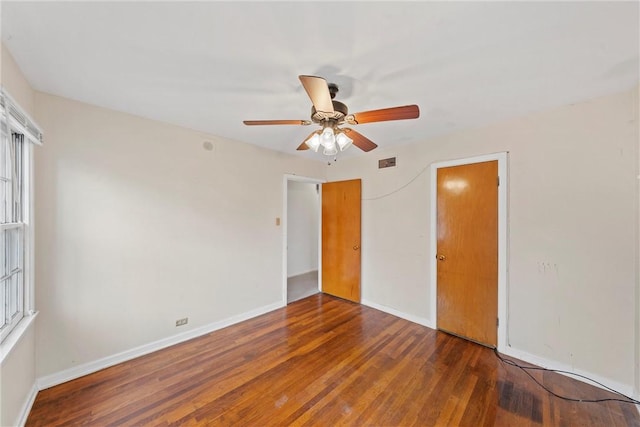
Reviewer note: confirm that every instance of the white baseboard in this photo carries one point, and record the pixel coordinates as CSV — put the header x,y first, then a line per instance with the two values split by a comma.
x,y
26,408
105,362
313,270
410,317
552,364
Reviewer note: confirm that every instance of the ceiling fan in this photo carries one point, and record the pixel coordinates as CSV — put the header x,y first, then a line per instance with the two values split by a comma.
x,y
331,115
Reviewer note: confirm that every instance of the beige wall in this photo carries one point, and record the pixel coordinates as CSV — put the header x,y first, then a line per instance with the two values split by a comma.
x,y
573,212
17,371
18,379
139,225
15,83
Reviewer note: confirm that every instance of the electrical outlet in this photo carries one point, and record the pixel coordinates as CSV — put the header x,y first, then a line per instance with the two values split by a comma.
x,y
181,322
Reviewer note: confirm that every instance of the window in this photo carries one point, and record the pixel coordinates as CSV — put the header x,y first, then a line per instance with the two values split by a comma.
x,y
18,132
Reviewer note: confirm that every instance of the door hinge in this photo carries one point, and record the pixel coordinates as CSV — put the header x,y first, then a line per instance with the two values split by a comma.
x,y
498,179
497,321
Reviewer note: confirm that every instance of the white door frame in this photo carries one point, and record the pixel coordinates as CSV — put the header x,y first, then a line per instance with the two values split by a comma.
x,y
502,159
285,197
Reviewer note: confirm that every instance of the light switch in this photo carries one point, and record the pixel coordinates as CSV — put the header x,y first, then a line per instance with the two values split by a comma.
x,y
277,221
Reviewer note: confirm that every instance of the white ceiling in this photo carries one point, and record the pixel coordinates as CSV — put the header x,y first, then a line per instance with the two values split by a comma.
x,y
210,65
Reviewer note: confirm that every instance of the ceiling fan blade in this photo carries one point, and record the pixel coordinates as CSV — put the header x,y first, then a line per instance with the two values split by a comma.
x,y
385,114
304,145
359,140
318,91
276,122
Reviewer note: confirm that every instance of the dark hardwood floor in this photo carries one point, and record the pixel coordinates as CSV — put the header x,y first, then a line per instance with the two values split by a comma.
x,y
323,361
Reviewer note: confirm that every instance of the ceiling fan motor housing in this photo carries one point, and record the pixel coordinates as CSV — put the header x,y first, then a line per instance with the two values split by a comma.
x,y
340,111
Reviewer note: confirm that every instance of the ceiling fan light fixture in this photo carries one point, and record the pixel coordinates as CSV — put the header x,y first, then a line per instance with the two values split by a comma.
x,y
343,141
313,142
331,150
328,139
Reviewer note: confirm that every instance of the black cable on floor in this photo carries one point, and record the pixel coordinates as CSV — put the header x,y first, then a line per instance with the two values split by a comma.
x,y
526,370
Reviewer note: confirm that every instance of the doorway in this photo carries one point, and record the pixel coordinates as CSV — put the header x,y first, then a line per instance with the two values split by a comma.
x,y
301,238
438,303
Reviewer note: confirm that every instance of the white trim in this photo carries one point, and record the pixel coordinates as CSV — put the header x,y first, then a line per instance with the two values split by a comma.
x,y
636,232
10,106
502,239
26,300
105,362
285,205
26,407
16,335
550,364
29,240
302,274
11,225
410,317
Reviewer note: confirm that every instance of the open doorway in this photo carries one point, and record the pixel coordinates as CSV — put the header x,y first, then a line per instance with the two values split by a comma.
x,y
302,232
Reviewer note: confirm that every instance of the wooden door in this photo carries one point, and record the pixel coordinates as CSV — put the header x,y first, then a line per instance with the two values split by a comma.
x,y
341,239
467,251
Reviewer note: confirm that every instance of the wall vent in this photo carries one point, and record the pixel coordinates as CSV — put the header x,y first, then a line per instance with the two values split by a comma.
x,y
387,163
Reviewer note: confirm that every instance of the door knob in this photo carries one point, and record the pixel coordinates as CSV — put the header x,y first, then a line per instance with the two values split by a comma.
x,y
356,247
441,257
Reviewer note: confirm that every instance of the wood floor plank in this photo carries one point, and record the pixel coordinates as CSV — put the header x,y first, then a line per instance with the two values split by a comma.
x,y
323,361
